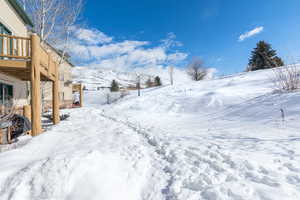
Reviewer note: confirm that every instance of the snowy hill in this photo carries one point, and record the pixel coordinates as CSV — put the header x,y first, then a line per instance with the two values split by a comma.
x,y
222,139
93,77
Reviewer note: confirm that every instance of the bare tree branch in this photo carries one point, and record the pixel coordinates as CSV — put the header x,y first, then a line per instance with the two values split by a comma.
x,y
53,20
286,78
196,70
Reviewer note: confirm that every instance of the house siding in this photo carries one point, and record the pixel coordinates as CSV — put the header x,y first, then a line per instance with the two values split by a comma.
x,y
65,90
12,21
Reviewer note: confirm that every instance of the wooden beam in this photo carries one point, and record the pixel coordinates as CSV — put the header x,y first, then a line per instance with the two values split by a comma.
x,y
47,78
43,71
24,76
55,98
35,86
14,64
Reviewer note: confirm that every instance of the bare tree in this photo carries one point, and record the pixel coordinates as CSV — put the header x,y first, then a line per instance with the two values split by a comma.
x,y
74,8
196,70
54,19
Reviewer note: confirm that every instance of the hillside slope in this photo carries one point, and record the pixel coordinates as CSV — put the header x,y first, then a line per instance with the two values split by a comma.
x,y
222,139
94,77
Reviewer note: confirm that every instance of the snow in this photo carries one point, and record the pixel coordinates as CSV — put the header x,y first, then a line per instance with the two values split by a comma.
x,y
93,78
87,157
214,139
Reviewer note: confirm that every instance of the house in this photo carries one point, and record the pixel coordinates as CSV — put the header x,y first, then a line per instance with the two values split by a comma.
x,y
13,21
24,65
65,81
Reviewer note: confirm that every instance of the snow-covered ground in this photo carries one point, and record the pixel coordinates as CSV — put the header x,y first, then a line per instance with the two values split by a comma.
x,y
214,139
92,78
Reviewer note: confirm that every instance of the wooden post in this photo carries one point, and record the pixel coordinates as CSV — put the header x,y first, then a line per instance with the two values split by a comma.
x,y
81,95
27,111
27,114
35,79
139,86
55,97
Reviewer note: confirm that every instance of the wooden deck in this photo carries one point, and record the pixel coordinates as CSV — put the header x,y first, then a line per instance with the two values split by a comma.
x,y
26,59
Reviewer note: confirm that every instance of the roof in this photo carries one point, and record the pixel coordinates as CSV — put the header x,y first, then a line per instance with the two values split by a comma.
x,y
20,11
60,53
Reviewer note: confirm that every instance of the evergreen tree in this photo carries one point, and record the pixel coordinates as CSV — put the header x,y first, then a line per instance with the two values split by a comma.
x,y
114,87
278,61
157,81
263,57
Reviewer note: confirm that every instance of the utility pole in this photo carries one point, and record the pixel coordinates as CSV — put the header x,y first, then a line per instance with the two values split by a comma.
x,y
171,71
138,85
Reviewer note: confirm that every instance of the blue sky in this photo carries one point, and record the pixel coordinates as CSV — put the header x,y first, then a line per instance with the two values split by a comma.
x,y
209,29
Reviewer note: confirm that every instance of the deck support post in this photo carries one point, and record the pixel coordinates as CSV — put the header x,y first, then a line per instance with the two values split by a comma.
x,y
27,114
81,95
27,111
35,80
55,97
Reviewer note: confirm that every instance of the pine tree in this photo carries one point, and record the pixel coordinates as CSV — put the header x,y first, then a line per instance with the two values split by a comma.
x,y
114,87
278,61
157,81
263,57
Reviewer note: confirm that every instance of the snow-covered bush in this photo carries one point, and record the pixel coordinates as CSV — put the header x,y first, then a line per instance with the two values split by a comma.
x,y
287,78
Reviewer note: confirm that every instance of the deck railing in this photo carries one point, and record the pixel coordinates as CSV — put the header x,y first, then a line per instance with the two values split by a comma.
x,y
30,60
14,47
20,48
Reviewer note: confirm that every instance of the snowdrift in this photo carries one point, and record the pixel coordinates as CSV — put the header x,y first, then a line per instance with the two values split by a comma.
x,y
222,139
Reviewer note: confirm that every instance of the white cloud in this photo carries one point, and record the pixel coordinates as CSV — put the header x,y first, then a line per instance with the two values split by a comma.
x,y
117,48
251,33
91,36
177,57
170,41
91,48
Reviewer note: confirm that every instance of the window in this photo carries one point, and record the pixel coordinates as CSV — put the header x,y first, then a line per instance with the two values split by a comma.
x,y
6,95
4,30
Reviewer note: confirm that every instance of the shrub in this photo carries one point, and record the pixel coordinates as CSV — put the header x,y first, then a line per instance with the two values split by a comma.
x,y
287,78
157,81
114,87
